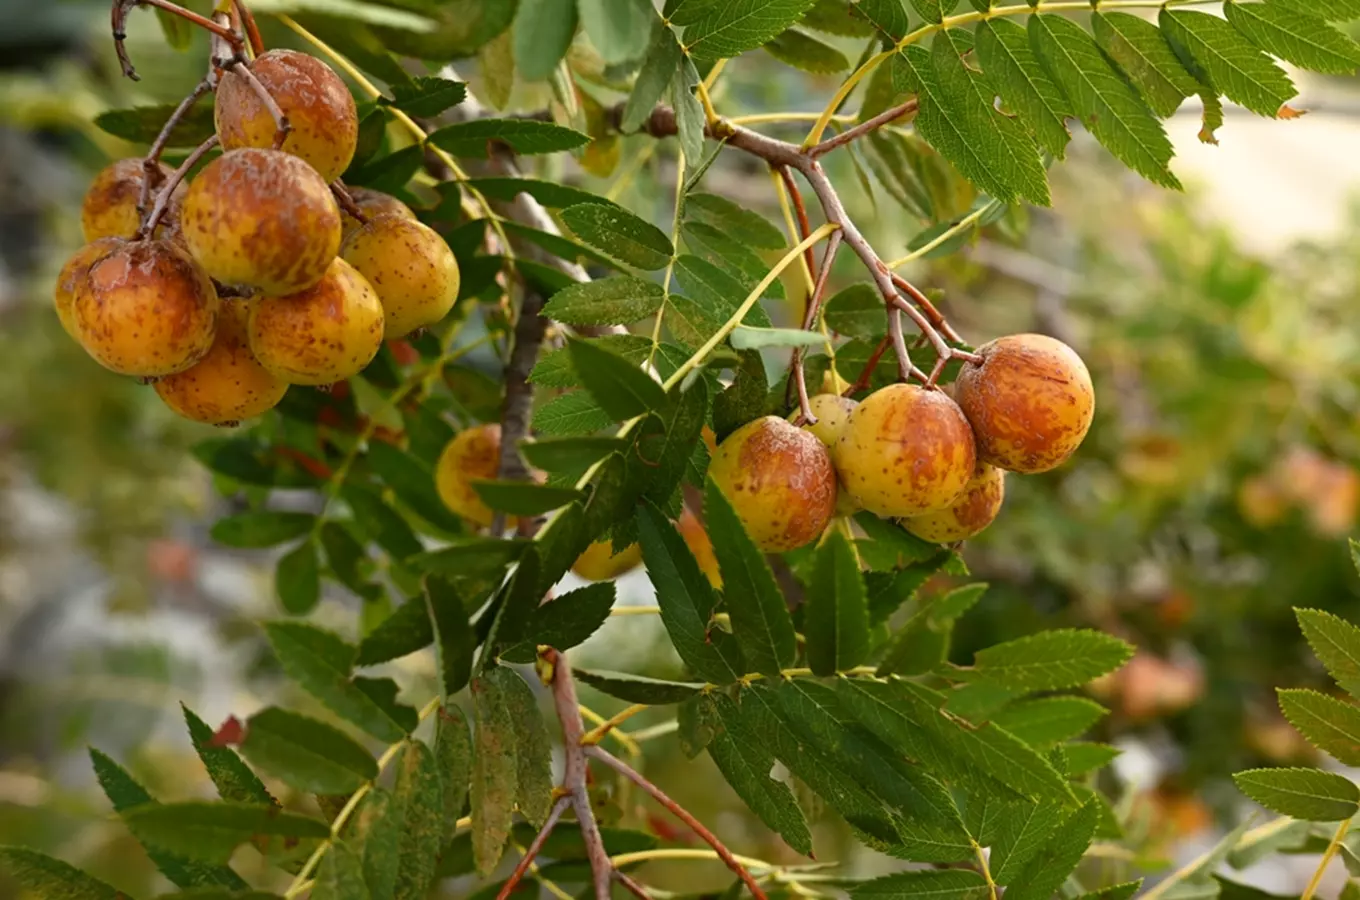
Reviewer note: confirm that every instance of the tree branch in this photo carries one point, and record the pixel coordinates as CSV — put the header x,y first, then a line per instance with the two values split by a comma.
x,y
814,308
148,229
863,128
150,165
533,849
118,23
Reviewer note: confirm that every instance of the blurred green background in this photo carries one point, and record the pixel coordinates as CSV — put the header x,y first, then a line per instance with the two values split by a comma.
x,y
1216,491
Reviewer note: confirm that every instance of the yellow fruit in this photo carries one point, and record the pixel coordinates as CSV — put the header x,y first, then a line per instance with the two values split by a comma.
x,y
601,563
75,270
905,451
110,205
975,509
262,219
699,543
832,412
323,120
372,204
410,267
228,384
780,481
1030,402
146,309
474,454
320,335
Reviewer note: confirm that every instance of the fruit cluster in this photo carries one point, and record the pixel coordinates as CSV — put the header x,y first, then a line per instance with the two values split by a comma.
x,y
933,462
250,278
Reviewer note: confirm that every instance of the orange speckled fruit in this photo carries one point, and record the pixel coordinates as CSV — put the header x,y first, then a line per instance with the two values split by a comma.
x,y
473,455
699,543
320,335
975,509
229,384
905,451
146,309
372,204
75,270
110,205
263,219
601,563
323,120
1030,402
410,267
780,481
833,413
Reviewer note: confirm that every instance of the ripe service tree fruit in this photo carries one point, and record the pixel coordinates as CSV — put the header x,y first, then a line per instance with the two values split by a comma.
x,y
322,334
833,414
322,118
73,273
262,219
411,268
973,511
474,454
110,205
601,563
228,384
372,204
146,309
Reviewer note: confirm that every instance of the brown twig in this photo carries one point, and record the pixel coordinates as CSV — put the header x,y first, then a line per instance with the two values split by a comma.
x,y
682,814
151,165
804,227
866,375
168,189
632,886
863,128
531,852
932,312
814,309
118,22
346,202
241,67
248,23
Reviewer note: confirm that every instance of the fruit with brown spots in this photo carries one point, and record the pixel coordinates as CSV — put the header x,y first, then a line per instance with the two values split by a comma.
x,y
322,118
410,267
110,205
262,219
372,204
229,384
601,563
975,509
780,481
320,335
75,270
146,309
905,451
832,412
1030,402
474,454
701,545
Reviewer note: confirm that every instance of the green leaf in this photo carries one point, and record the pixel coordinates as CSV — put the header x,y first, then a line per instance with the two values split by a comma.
x,y
141,124
340,875
622,389
732,28
803,51
744,399
453,761
533,747
689,113
377,832
888,16
736,259
744,337
380,522
232,777
555,369
419,794
543,31
125,793
717,292
836,17
404,632
523,498
1139,49
687,600
660,67
297,579
306,754
571,414
549,193
179,32
570,454
836,619
1331,725
934,11
353,10
1062,850
1116,892
1336,643
619,234
566,621
265,528
515,605
211,831
1020,832
412,480
1238,70
321,663
1087,756
524,136
1309,794
468,558
618,29
946,884
1046,721
494,772
1330,10
857,311
638,688
746,762
1052,660
448,621
760,618
1114,114
958,118
619,300
427,96
52,879
737,222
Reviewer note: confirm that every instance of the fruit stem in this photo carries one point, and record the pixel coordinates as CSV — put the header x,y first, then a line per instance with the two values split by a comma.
x,y
814,309
148,229
251,28
241,67
346,201
150,169
118,17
